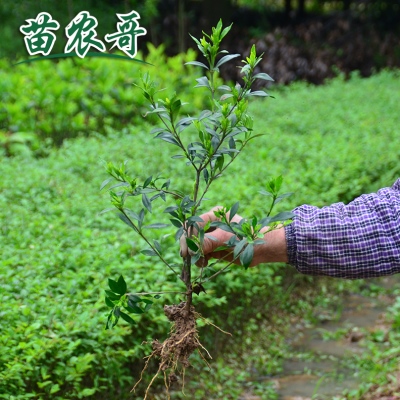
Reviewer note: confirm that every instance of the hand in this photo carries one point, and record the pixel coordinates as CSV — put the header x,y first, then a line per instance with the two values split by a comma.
x,y
274,249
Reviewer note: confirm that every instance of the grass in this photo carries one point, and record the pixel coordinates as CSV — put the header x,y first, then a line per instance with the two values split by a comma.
x,y
331,143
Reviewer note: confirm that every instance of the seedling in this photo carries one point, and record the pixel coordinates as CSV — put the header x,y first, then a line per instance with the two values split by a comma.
x,y
222,132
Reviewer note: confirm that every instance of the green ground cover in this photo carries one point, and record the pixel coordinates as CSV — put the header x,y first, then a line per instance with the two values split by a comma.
x,y
331,143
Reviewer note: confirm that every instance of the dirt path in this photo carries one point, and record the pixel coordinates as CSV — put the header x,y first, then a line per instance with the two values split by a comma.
x,y
321,366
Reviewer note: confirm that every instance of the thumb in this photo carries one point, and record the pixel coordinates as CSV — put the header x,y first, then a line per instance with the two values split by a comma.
x,y
208,216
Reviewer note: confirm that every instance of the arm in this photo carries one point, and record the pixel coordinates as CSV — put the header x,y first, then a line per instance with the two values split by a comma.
x,y
358,240
273,250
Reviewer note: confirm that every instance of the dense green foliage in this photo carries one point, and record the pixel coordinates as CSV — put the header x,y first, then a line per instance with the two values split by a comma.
x,y
331,143
45,102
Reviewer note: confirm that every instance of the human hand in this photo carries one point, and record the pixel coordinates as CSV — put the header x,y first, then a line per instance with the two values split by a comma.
x,y
273,249
214,238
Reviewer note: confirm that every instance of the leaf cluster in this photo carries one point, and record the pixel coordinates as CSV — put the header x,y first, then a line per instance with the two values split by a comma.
x,y
57,252
45,103
221,132
117,299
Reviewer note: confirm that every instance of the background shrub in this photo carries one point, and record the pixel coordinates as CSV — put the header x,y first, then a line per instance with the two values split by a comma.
x,y
330,143
44,103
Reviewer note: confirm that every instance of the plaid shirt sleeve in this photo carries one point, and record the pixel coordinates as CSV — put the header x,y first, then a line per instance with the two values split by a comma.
x,y
357,240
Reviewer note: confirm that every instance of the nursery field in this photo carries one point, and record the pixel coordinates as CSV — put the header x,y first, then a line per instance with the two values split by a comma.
x,y
330,143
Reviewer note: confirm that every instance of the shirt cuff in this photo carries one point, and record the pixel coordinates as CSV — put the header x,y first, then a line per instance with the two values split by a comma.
x,y
291,243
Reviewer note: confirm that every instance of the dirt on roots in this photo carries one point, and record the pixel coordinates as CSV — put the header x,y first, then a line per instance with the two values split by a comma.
x,y
178,347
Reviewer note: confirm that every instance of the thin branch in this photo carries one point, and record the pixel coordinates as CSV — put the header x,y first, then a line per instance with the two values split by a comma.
x,y
139,232
219,272
166,292
177,137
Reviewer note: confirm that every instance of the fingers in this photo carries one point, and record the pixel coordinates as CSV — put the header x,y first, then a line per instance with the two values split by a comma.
x,y
212,240
208,216
225,255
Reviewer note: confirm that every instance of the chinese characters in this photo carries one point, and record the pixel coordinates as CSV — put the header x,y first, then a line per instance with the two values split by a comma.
x,y
128,31
39,38
81,34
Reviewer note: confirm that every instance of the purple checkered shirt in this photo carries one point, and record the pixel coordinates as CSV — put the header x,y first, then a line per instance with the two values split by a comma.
x,y
357,240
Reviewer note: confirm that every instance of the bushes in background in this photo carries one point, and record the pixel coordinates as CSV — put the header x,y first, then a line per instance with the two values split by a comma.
x,y
331,143
45,102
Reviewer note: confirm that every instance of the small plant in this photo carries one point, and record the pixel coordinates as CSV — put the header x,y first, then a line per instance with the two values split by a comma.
x,y
221,133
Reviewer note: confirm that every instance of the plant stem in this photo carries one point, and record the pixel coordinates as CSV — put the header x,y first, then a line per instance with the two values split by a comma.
x,y
187,264
166,292
138,231
219,272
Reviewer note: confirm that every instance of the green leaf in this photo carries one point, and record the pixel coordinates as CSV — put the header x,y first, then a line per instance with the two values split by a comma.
x,y
106,210
146,202
147,307
117,311
117,287
259,93
247,256
109,302
204,114
191,220
225,87
134,308
206,175
222,226
166,184
125,219
112,295
226,96
171,209
192,245
239,247
233,211
282,197
149,252
176,222
265,193
222,248
118,185
147,181
87,392
157,296
282,216
225,59
127,318
157,225
109,318
105,183
263,76
203,82
141,218
167,137
225,31
178,233
194,258
157,245
55,388
199,64
134,298
122,284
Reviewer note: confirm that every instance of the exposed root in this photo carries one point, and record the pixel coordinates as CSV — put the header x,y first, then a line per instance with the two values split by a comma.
x,y
203,358
143,370
197,315
183,340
